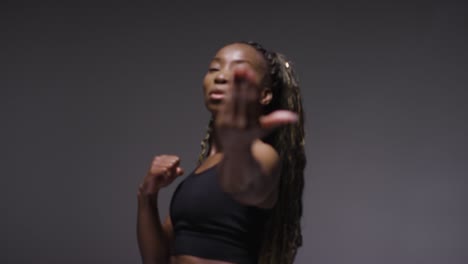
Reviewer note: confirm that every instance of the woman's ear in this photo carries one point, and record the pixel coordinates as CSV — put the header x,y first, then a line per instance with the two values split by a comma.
x,y
265,96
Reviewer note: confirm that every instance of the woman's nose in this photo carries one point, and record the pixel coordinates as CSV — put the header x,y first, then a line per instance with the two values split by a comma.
x,y
221,78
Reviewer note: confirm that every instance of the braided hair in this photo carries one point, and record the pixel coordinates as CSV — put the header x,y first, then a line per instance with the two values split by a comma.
x,y
282,234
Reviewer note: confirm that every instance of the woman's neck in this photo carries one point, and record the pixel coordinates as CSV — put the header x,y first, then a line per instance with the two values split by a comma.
x,y
213,147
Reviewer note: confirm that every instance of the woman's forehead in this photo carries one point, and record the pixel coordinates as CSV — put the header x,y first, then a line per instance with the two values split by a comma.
x,y
240,52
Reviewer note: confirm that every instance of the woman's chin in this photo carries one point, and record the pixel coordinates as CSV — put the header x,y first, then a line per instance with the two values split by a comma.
x,y
213,107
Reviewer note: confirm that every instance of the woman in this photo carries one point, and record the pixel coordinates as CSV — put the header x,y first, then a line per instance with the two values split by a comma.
x,y
243,203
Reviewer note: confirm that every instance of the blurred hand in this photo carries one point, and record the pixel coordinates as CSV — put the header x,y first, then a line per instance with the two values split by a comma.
x,y
239,122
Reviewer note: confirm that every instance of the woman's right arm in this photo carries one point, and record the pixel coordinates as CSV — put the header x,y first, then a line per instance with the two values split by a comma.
x,y
154,238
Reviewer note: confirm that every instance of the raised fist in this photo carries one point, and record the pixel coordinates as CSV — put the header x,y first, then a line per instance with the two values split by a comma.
x,y
164,169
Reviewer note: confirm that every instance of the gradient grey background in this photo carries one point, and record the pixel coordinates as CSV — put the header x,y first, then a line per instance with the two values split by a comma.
x,y
91,91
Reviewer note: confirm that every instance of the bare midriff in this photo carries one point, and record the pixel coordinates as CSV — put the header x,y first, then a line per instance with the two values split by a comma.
x,y
183,259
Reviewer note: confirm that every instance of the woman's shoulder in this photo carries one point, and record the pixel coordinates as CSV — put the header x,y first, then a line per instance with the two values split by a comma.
x,y
261,148
266,156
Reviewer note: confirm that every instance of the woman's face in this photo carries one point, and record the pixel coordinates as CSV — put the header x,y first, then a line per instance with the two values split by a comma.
x,y
218,81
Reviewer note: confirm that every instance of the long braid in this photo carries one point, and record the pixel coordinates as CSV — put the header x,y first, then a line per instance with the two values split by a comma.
x,y
282,236
205,143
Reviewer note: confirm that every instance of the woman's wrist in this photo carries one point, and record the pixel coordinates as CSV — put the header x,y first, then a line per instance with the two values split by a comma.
x,y
144,198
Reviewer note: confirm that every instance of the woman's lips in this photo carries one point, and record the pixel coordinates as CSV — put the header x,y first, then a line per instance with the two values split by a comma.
x,y
216,95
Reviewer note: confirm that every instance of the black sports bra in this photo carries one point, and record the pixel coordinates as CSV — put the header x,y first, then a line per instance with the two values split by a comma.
x,y
208,223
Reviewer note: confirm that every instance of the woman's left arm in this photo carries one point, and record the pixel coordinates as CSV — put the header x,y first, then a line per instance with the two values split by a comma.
x,y
250,175
249,170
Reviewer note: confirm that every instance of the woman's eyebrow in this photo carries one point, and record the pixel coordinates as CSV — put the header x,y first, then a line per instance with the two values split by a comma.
x,y
238,61
218,59
242,61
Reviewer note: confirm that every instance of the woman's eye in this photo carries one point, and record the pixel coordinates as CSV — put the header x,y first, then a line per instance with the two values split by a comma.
x,y
212,69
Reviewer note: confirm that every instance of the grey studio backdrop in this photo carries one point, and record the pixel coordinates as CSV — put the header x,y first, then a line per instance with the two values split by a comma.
x,y
91,91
